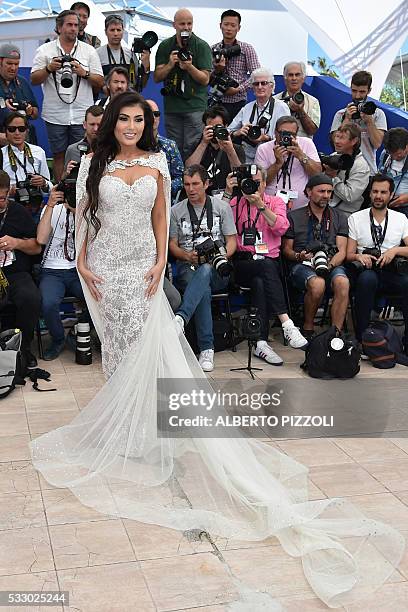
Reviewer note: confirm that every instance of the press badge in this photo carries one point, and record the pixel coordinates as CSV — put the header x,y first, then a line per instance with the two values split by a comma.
x,y
284,195
293,195
261,248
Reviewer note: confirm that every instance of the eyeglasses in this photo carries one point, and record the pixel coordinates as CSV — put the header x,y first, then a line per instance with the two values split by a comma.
x,y
13,128
113,18
260,83
156,113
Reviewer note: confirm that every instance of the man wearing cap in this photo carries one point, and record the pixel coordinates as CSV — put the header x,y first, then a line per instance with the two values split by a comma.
x,y
14,90
318,223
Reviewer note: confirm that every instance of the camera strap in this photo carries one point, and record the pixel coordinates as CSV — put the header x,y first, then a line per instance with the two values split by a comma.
x,y
195,222
112,61
387,168
285,172
320,230
267,108
249,223
377,232
78,81
215,164
15,162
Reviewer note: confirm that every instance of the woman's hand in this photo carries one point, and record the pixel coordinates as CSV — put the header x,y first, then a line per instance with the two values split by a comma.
x,y
91,282
152,277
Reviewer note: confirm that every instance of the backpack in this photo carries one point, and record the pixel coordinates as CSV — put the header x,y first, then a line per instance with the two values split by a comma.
x,y
332,354
11,365
383,346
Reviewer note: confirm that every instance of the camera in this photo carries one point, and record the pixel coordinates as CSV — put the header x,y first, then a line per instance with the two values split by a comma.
x,y
19,107
254,132
286,138
219,84
220,132
244,175
367,107
226,52
27,194
373,251
67,79
321,255
298,98
68,184
337,161
145,42
249,325
170,86
214,253
400,264
183,53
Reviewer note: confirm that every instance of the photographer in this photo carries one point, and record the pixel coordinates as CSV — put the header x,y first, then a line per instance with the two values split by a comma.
x,y
15,91
261,221
116,82
394,163
304,107
348,185
25,164
93,119
289,160
194,221
371,120
185,81
83,12
215,151
235,63
68,70
255,122
17,246
59,276
311,225
380,230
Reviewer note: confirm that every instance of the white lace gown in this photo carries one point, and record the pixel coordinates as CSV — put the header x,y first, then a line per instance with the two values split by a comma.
x,y
112,459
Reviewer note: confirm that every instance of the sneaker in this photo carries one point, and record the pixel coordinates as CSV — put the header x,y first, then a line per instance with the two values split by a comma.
x,y
265,352
293,336
206,360
179,321
54,350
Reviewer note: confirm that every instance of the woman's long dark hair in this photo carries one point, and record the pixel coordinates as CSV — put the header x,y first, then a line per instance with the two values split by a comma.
x,y
106,147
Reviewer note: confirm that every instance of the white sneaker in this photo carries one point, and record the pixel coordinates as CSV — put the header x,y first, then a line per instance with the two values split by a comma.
x,y
294,337
265,352
179,321
206,360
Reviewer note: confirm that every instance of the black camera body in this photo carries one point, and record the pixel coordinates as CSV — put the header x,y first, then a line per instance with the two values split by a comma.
x,y
298,98
400,264
67,79
244,175
219,84
27,194
226,52
145,42
249,325
285,138
337,161
368,107
68,184
321,255
182,52
19,107
220,132
213,252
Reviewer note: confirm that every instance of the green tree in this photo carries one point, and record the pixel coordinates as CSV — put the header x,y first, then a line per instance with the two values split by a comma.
x,y
323,67
393,93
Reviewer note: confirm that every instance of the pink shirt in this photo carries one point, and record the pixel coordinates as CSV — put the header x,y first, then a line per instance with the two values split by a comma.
x,y
270,235
265,157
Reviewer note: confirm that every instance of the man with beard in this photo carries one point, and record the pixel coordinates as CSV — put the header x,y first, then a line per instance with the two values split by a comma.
x,y
383,229
318,222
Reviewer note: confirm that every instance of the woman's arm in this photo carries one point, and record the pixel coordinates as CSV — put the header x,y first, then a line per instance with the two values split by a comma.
x,y
89,277
159,223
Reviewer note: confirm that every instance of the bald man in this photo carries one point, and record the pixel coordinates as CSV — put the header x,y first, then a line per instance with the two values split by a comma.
x,y
185,81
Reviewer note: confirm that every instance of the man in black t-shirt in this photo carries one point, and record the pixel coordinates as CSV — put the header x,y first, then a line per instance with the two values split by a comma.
x,y
17,246
218,156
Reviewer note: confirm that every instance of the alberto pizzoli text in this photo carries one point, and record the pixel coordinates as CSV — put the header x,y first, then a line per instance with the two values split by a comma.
x,y
252,420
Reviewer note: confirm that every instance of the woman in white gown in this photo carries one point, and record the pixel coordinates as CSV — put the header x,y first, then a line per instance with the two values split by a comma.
x,y
111,456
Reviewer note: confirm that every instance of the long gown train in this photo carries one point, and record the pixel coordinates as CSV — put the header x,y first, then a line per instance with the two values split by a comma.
x,y
112,459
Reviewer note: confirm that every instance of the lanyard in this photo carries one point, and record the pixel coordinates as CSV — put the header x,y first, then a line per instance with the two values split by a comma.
x,y
112,60
14,161
249,222
3,280
195,222
267,108
320,230
377,233
286,172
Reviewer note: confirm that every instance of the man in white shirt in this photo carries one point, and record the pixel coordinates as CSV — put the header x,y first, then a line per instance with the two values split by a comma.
x,y
68,87
380,229
59,276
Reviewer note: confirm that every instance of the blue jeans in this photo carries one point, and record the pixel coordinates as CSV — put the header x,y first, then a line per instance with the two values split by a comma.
x,y
197,287
300,275
54,286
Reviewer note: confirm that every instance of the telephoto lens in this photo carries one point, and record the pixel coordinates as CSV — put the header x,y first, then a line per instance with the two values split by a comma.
x,y
83,352
254,132
298,98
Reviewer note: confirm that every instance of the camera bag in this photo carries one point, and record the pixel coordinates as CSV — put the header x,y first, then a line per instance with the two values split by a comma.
x,y
11,366
383,346
332,354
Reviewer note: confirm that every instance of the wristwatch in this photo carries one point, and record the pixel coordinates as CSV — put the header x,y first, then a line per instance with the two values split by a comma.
x,y
86,75
262,208
304,160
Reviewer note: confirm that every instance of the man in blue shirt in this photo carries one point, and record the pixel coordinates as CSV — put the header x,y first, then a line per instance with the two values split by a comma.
x,y
394,163
15,91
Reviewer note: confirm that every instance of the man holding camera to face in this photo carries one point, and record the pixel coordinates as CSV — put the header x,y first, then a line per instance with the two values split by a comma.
x,y
234,60
183,63
365,114
255,122
394,163
68,70
93,119
315,245
378,261
289,160
304,107
215,151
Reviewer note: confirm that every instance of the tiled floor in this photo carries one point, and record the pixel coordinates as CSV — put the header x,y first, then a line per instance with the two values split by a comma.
x,y
49,541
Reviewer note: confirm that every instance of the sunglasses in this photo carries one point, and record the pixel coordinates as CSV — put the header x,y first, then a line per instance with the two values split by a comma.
x,y
260,83
156,113
113,18
13,128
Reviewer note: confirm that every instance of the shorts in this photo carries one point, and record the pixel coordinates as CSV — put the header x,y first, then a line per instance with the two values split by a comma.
x,y
300,274
61,136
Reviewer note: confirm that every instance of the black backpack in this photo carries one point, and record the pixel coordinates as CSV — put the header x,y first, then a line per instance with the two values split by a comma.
x,y
383,346
11,366
332,354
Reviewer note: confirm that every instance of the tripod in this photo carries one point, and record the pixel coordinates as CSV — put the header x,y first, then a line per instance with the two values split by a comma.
x,y
251,345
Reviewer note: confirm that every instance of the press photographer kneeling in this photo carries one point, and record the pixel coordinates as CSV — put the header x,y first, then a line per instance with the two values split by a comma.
x,y
378,260
261,221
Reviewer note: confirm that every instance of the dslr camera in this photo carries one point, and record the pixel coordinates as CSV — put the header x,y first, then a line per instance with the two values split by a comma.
x,y
322,253
67,79
298,98
244,175
182,52
213,252
285,138
249,325
220,132
27,194
367,107
19,107
145,42
337,161
255,131
68,184
219,84
226,52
